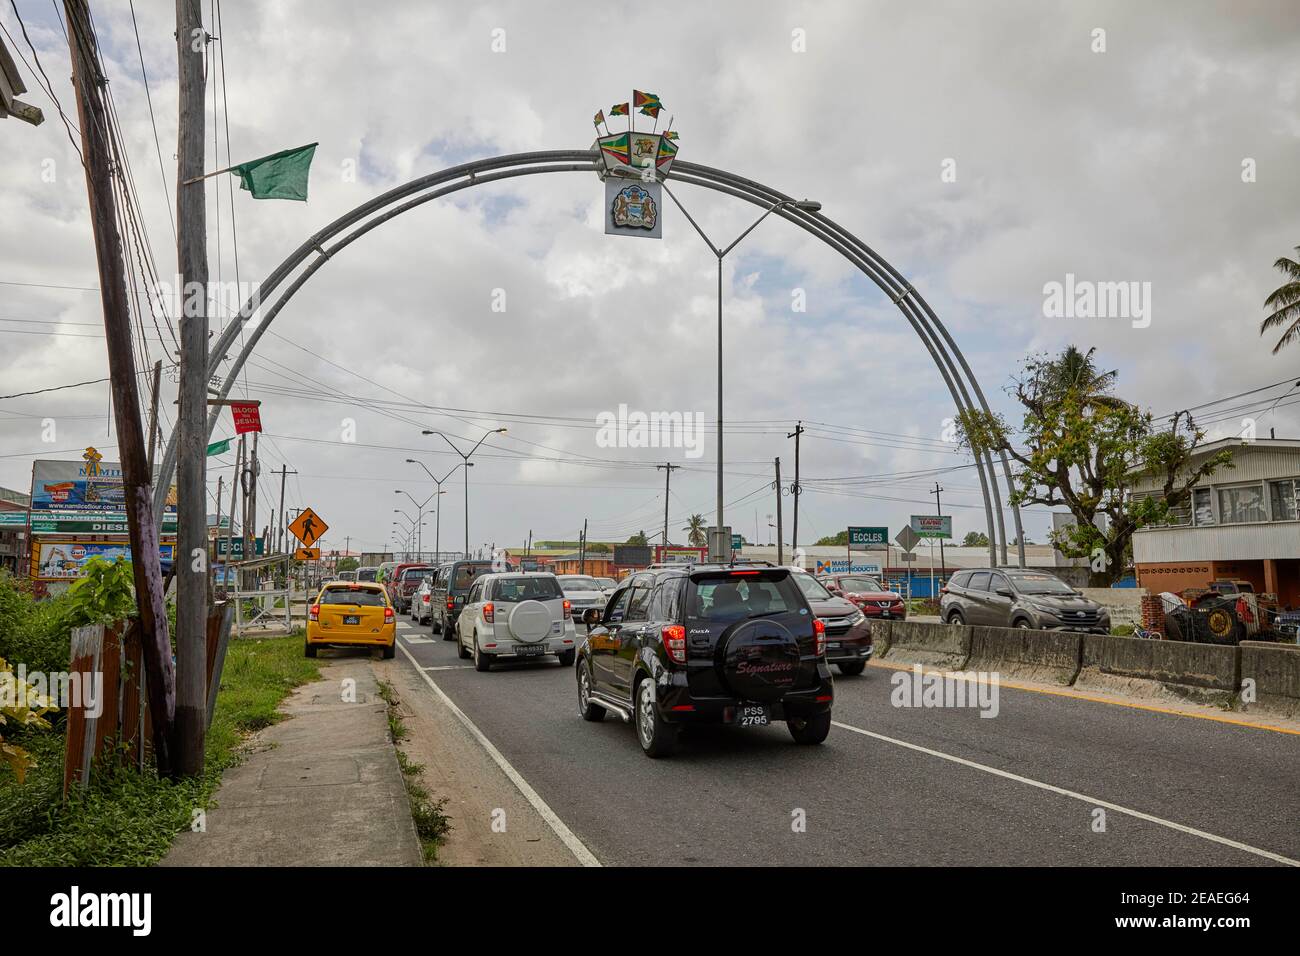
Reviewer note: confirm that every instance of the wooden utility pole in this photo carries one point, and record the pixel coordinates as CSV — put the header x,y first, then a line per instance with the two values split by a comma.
x,y
780,532
191,458
669,468
89,83
230,527
255,470
795,490
153,412
284,473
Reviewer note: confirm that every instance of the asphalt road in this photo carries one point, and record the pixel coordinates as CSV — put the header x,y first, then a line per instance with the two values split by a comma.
x,y
892,785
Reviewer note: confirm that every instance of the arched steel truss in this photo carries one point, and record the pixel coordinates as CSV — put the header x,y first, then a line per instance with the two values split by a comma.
x,y
326,243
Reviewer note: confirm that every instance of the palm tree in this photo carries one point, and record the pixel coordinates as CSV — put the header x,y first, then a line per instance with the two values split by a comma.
x,y
1285,303
1074,372
695,532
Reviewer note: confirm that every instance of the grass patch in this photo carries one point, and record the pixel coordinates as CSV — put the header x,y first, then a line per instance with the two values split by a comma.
x,y
431,824
129,819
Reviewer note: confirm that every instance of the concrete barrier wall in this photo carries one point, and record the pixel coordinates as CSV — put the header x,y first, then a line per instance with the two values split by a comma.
x,y
1207,673
1049,656
1275,669
1203,673
912,642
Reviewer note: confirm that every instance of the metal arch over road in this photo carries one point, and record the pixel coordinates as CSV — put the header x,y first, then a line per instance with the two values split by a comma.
x,y
957,376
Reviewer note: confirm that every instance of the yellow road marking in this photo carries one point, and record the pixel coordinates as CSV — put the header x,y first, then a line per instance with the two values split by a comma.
x,y
1077,695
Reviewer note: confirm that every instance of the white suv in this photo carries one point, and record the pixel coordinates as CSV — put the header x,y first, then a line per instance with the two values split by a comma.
x,y
515,616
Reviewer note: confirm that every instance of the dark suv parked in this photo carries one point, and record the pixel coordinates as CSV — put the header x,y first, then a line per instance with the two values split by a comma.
x,y
447,594
1019,597
732,645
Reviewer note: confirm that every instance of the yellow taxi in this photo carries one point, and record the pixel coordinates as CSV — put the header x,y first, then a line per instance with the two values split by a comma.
x,y
351,614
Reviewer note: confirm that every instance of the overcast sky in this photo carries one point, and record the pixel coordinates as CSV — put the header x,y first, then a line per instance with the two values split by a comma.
x,y
1115,166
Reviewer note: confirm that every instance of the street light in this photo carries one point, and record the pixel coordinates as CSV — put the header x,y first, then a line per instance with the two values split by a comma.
x,y
465,457
804,205
419,513
437,532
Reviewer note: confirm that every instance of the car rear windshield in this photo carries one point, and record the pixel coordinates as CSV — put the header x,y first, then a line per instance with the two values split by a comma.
x,y
367,574
740,595
1040,584
466,573
416,574
526,588
860,584
812,589
576,582
365,597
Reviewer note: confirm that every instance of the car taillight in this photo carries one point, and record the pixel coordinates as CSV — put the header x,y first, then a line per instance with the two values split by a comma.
x,y
568,610
943,590
388,614
451,604
674,637
488,611
819,637
313,612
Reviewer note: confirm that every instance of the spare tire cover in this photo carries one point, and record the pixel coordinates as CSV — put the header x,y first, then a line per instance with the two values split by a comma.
x,y
758,659
530,621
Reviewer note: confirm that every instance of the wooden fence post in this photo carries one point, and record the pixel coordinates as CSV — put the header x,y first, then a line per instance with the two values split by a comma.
x,y
86,655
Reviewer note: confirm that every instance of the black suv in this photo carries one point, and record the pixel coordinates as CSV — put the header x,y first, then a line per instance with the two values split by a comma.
x,y
713,644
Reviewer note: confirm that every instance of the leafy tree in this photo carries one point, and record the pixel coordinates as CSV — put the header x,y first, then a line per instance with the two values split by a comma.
x,y
834,540
975,539
1285,303
695,532
638,538
23,705
1081,447
347,564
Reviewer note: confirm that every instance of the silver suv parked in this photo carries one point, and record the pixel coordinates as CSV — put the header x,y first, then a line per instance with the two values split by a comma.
x,y
1019,597
516,616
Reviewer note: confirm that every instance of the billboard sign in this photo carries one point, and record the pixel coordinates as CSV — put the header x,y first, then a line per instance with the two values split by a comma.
x,y
632,555
842,566
863,539
66,560
84,497
932,526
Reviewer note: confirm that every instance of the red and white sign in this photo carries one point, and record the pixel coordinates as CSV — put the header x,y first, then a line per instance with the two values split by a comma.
x,y
247,417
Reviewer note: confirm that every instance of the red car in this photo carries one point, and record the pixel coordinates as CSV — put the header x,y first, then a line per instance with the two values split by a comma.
x,y
871,597
403,582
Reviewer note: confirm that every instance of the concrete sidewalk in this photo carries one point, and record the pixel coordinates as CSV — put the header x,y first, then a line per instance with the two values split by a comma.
x,y
320,789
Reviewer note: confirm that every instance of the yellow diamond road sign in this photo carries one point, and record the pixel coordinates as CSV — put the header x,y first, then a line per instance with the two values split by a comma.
x,y
308,527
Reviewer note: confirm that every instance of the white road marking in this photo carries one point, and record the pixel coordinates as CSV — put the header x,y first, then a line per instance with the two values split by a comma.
x,y
417,640
1091,801
567,836
447,667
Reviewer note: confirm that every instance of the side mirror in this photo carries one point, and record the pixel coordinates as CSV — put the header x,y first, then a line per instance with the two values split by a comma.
x,y
1005,592
591,616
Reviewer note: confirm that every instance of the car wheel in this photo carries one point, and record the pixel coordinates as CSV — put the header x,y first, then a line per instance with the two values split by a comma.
x,y
588,710
308,649
460,649
810,730
956,618
482,661
391,650
657,737
1022,624
566,657
852,669
435,625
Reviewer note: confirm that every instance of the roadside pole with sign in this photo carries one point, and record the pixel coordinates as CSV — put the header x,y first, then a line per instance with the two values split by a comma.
x,y
907,539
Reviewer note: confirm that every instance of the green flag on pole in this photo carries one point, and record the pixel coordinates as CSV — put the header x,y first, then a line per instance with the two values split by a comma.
x,y
281,175
219,447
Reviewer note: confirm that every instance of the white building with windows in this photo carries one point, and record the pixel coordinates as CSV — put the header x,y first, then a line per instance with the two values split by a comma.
x,y
1242,522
